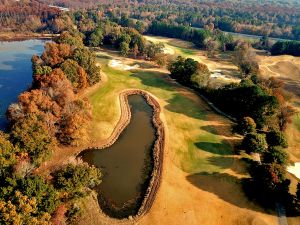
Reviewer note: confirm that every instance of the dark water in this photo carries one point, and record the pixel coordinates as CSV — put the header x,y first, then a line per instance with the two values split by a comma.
x,y
15,71
127,164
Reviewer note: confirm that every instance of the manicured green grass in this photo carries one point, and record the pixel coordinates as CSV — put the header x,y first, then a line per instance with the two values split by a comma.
x,y
195,148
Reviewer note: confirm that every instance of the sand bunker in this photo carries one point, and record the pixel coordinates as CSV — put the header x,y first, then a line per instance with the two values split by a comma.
x,y
295,170
121,66
217,74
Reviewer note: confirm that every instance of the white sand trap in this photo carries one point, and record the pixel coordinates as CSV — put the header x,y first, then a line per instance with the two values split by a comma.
x,y
295,170
169,50
121,66
217,74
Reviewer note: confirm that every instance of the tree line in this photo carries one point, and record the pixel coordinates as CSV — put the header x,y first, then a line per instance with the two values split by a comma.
x,y
50,114
263,111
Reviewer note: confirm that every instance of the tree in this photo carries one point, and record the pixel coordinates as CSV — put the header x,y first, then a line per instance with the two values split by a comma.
x,y
31,135
277,138
201,76
7,153
245,59
87,60
72,38
254,142
211,46
189,72
73,178
124,48
45,195
74,73
285,115
153,49
275,155
161,59
96,38
74,123
56,53
245,126
22,210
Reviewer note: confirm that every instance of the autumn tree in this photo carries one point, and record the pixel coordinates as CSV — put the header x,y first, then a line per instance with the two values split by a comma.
x,y
30,134
87,60
74,73
56,53
245,59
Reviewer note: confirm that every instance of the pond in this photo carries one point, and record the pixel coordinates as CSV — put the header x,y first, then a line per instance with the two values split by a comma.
x,y
127,164
15,71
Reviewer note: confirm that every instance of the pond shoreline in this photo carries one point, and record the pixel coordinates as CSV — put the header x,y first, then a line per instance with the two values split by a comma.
x,y
10,37
158,148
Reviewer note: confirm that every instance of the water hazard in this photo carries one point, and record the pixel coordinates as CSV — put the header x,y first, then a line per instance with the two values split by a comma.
x,y
127,164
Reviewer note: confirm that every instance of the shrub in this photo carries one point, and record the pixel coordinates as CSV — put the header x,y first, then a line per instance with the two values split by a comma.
x,y
245,126
275,155
73,178
276,138
254,142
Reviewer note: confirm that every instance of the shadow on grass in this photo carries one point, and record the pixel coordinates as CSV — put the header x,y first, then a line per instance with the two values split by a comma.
x,y
153,79
184,105
221,162
222,148
216,129
225,186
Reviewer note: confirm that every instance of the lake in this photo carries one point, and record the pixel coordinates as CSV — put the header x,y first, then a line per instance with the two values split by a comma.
x,y
127,164
15,71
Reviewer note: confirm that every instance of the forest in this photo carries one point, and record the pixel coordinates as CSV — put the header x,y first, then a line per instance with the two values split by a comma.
x,y
249,17
259,18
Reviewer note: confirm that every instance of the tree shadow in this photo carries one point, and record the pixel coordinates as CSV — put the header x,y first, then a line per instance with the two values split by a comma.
x,y
226,187
221,162
186,106
222,148
213,129
153,79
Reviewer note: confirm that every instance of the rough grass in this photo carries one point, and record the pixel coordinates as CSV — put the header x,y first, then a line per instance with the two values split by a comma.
x,y
193,144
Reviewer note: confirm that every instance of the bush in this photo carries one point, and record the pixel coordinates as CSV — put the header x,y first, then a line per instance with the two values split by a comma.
x,y
245,126
74,178
275,155
277,138
189,72
254,142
